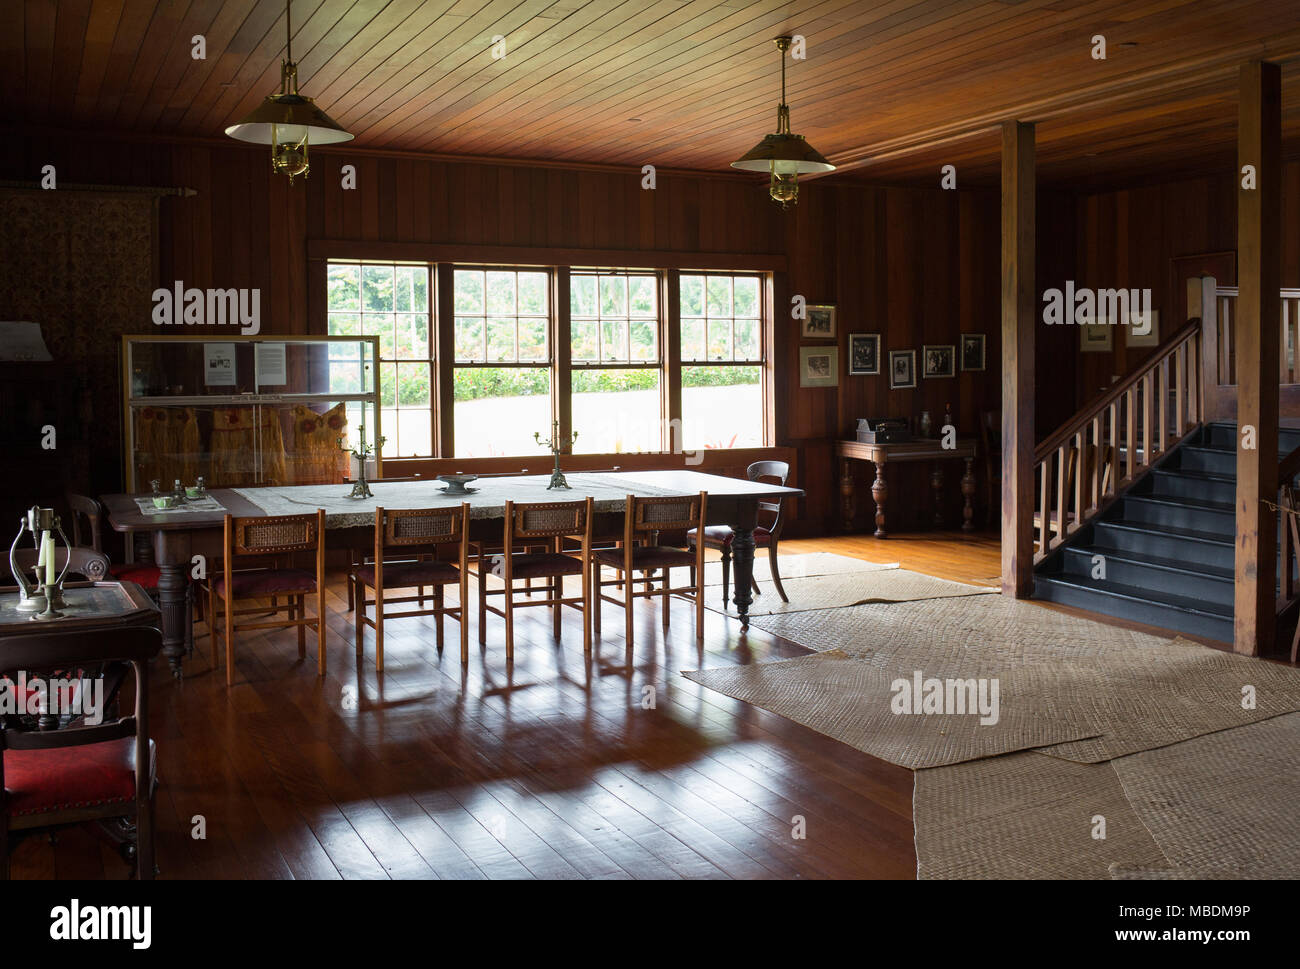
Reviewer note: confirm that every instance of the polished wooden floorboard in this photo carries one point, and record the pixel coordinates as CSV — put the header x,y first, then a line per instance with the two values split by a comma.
x,y
553,769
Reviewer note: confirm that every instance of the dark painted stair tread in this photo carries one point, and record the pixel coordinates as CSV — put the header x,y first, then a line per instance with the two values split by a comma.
x,y
1182,603
1156,561
1214,538
1199,503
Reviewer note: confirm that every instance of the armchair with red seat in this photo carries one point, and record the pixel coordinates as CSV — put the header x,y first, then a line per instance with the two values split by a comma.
x,y
51,779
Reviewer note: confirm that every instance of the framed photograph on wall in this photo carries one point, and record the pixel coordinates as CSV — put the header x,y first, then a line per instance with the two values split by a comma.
x,y
940,361
1095,337
972,351
864,354
902,369
819,322
1140,336
819,366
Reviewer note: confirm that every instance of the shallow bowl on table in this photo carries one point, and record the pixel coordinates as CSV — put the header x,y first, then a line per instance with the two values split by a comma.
x,y
456,483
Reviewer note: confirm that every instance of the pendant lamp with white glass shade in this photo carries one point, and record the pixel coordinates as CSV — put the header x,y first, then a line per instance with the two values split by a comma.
x,y
288,121
783,155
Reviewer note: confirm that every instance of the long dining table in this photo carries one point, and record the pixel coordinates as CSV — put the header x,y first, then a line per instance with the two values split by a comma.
x,y
196,528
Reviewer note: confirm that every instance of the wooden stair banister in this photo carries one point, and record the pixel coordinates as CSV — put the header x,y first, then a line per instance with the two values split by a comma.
x,y
1075,467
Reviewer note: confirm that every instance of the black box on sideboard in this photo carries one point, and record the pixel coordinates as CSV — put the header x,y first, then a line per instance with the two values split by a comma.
x,y
883,430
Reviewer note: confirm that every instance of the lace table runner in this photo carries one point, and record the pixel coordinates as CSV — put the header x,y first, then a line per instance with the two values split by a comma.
x,y
488,501
191,506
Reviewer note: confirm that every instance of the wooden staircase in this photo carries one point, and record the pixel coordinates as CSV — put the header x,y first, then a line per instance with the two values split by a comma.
x,y
1163,552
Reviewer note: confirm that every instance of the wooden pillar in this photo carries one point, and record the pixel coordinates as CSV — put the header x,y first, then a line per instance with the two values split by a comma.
x,y
1259,314
1018,314
445,358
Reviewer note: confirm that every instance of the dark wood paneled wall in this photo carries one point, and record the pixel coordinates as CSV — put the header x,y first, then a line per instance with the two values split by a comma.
x,y
1129,238
918,266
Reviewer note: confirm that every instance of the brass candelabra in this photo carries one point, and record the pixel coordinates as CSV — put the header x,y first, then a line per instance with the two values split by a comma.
x,y
557,476
360,487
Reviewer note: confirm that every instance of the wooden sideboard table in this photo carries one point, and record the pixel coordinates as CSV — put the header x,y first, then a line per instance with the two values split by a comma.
x,y
882,454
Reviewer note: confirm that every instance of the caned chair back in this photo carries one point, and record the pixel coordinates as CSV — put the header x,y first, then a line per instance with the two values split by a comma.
x,y
85,562
547,519
421,526
667,514
274,534
780,470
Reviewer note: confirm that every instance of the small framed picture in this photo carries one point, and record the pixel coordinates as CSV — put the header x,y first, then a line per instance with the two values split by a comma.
x,y
1145,331
819,322
864,354
972,351
940,361
902,369
1095,337
819,366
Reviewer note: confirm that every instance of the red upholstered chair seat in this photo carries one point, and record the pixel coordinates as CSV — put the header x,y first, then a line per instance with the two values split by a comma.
x,y
266,582
537,565
720,535
646,557
41,781
403,575
145,576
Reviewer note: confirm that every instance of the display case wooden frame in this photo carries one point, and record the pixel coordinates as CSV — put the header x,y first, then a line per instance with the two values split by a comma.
x,y
133,400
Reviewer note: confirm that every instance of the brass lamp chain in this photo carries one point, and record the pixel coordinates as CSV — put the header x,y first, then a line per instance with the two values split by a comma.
x,y
288,70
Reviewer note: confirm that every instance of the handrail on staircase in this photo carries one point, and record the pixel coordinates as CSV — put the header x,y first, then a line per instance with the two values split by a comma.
x,y
1079,468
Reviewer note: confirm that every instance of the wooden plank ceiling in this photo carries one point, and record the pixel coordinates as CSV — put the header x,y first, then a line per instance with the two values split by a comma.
x,y
891,89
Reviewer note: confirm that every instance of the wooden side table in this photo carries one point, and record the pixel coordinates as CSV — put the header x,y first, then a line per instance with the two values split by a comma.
x,y
882,454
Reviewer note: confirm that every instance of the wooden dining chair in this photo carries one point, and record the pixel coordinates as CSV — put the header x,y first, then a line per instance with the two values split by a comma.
x,y
644,519
767,533
87,532
52,779
410,532
276,537
548,522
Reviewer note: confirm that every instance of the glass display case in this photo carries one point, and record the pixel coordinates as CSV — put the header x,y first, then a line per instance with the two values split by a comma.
x,y
244,411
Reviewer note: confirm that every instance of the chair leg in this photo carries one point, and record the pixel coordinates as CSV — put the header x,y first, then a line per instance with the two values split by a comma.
x,y
298,611
379,632
510,622
144,847
726,574
699,611
628,617
776,576
437,604
464,619
357,596
668,584
230,639
482,601
595,595
556,591
320,628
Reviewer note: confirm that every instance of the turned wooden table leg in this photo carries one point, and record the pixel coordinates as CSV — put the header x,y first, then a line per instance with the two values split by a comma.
x,y
968,492
936,482
880,492
847,509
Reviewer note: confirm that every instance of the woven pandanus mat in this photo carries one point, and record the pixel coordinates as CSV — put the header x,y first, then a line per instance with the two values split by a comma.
x,y
846,589
798,566
1027,816
851,701
1139,691
1221,805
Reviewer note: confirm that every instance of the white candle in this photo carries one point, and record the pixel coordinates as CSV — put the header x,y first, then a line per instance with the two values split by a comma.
x,y
50,575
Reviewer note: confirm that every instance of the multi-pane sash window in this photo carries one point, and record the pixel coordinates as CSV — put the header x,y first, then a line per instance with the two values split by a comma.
x,y
614,326
722,355
502,379
391,301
